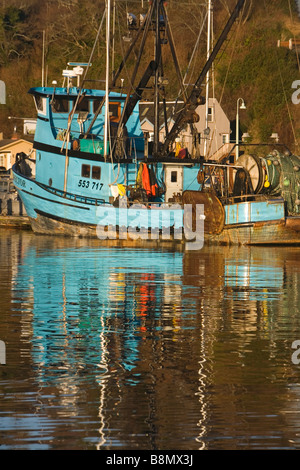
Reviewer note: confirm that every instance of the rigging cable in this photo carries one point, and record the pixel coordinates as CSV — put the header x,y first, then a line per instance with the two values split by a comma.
x,y
81,88
194,51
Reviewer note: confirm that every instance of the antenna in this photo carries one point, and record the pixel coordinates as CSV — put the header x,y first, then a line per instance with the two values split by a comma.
x,y
43,61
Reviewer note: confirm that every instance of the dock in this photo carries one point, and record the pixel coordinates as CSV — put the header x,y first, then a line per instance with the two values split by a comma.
x,y
12,221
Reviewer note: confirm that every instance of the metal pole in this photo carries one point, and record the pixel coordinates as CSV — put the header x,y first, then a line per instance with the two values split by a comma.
x,y
237,131
157,73
107,77
43,61
208,73
113,39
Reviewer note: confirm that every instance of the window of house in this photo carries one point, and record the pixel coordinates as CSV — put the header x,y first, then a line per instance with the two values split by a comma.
x,y
210,114
3,186
2,160
85,171
173,176
96,172
225,138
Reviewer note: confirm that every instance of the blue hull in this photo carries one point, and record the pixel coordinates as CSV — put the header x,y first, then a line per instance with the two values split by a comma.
x,y
52,211
57,213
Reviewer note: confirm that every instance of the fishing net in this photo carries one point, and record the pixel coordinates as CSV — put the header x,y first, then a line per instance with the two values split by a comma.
x,y
283,178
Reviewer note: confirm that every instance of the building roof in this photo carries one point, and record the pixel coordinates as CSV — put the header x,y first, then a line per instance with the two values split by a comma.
x,y
6,143
146,111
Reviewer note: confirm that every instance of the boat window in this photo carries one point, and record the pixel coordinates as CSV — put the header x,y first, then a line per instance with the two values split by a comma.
x,y
40,104
96,172
114,109
60,105
83,105
173,176
85,171
114,112
96,104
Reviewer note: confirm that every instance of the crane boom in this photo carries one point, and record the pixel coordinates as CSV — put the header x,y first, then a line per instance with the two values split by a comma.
x,y
195,98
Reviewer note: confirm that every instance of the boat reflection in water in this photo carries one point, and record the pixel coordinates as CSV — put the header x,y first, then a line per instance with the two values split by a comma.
x,y
158,349
80,294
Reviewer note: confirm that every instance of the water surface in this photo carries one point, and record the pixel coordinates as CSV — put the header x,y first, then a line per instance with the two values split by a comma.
x,y
132,348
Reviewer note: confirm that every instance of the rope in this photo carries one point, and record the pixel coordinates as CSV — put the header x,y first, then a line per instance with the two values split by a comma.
x,y
81,88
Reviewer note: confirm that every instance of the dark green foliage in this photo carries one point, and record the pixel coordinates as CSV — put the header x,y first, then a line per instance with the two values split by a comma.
x,y
262,74
252,67
16,39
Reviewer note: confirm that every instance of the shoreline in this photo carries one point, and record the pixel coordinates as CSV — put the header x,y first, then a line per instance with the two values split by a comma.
x,y
13,221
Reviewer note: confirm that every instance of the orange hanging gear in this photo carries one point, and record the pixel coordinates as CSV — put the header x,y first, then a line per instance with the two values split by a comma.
x,y
146,180
153,182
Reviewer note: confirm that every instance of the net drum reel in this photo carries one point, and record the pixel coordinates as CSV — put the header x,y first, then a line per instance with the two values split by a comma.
x,y
252,164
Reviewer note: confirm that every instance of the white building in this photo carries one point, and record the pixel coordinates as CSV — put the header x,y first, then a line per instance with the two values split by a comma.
x,y
29,126
213,137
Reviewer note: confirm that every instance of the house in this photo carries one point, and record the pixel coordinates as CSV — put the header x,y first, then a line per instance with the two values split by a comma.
x,y
213,135
9,148
29,126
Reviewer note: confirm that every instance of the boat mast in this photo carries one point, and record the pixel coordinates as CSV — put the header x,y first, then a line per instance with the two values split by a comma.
x,y
43,61
106,119
209,8
157,74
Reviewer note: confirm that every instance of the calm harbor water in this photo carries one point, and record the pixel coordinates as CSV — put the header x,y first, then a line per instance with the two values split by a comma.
x,y
134,348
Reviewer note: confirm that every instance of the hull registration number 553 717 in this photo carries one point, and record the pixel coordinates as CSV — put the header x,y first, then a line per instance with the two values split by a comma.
x,y
94,185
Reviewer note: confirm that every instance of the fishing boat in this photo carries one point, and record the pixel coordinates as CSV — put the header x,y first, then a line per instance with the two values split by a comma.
x,y
99,175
